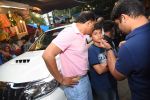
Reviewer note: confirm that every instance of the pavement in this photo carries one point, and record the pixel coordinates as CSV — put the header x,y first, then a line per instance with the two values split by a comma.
x,y
123,90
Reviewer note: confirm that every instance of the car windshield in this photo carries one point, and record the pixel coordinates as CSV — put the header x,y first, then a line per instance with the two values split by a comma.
x,y
45,39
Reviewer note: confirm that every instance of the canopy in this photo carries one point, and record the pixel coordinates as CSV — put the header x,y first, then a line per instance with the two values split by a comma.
x,y
49,5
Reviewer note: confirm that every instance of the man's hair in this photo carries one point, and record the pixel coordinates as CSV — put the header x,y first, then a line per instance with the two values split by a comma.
x,y
133,8
98,26
108,25
86,16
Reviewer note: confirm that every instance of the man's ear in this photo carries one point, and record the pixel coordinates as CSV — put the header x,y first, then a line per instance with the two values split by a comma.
x,y
87,23
124,18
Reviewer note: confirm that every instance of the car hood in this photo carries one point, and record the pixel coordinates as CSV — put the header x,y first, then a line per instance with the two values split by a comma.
x,y
27,67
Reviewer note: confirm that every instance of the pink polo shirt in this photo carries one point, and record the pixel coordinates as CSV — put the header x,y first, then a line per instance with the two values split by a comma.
x,y
74,56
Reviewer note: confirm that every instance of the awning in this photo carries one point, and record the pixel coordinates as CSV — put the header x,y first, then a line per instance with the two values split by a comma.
x,y
49,5
15,5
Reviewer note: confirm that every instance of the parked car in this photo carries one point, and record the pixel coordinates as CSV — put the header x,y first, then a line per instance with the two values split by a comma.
x,y
26,77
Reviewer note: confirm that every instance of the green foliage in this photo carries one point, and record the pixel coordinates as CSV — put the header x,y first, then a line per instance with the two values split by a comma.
x,y
35,19
100,7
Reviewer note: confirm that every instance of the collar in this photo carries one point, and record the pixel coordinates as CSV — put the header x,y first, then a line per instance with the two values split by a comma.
x,y
76,30
138,30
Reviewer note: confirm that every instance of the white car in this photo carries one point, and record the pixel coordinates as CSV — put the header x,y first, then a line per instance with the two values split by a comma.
x,y
26,77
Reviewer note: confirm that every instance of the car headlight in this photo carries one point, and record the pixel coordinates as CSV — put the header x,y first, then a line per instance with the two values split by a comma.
x,y
27,90
40,88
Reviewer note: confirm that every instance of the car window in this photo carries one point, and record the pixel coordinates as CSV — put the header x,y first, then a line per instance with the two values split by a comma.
x,y
44,40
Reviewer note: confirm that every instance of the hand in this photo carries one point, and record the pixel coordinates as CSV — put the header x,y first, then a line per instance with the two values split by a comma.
x,y
70,81
105,44
121,43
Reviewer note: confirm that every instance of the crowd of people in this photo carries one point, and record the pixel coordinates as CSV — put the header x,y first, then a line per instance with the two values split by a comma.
x,y
13,47
97,67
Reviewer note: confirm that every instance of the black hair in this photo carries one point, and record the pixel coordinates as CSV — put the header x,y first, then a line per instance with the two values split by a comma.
x,y
108,25
86,16
98,26
26,38
133,8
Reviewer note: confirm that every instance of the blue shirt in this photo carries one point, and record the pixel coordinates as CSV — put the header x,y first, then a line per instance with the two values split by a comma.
x,y
1,59
105,81
134,62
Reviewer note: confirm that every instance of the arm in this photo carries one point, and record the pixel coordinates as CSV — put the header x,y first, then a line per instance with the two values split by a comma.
x,y
122,43
49,57
111,61
100,68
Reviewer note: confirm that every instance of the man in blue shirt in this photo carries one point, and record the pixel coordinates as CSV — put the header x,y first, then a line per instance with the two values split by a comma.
x,y
133,60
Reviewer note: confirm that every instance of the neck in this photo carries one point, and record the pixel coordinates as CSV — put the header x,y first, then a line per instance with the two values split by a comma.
x,y
97,44
140,21
81,28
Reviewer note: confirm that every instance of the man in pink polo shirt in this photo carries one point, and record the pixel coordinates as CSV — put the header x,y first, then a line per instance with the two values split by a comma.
x,y
71,45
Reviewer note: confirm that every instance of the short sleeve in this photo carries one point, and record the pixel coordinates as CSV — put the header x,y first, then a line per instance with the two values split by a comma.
x,y
92,57
64,39
124,63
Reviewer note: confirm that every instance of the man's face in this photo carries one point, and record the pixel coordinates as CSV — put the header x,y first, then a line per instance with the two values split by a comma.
x,y
90,26
123,24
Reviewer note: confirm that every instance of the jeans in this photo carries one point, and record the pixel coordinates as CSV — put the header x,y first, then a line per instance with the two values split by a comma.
x,y
81,91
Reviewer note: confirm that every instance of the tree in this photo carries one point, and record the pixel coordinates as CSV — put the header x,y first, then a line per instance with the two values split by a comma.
x,y
100,7
35,18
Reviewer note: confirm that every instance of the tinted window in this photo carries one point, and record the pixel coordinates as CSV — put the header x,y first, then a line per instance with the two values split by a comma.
x,y
44,40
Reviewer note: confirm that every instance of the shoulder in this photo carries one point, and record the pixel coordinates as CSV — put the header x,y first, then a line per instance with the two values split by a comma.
x,y
92,47
67,32
93,50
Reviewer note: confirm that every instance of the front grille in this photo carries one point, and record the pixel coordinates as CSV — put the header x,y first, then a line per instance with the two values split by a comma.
x,y
27,91
8,93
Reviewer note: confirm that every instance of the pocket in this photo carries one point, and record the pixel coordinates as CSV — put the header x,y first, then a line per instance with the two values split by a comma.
x,y
71,92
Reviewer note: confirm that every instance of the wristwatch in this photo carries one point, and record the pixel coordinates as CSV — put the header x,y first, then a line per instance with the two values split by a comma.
x,y
108,49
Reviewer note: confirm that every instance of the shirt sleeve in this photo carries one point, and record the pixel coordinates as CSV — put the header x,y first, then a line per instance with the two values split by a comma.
x,y
64,39
92,57
124,63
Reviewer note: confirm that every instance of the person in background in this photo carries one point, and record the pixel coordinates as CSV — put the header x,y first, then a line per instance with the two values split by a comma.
x,y
38,32
1,60
73,49
7,53
109,33
25,43
133,56
102,82
100,19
